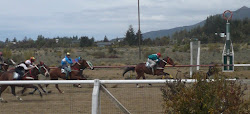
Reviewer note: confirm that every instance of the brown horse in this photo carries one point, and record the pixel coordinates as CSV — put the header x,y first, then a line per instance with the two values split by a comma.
x,y
43,70
141,68
5,65
76,72
7,76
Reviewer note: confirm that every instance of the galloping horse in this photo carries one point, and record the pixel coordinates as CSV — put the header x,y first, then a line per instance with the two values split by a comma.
x,y
141,68
43,69
6,65
9,75
76,69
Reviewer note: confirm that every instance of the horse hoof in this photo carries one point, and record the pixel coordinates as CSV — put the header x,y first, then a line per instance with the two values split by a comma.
x,y
20,99
150,84
49,91
31,93
62,92
3,101
79,86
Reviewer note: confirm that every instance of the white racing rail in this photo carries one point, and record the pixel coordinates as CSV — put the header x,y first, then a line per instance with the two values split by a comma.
x,y
98,86
160,81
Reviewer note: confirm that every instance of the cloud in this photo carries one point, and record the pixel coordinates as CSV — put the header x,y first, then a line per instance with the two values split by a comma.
x,y
98,18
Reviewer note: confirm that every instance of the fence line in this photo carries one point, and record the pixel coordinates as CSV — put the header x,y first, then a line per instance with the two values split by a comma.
x,y
159,81
208,65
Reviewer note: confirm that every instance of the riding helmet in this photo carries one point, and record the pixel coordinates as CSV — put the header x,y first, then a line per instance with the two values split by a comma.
x,y
159,54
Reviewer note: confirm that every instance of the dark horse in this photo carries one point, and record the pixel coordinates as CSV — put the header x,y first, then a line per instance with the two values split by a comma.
x,y
7,76
76,72
141,68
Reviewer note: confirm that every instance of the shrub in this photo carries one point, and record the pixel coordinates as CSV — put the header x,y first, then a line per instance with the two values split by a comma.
x,y
147,53
218,96
28,54
7,53
213,48
162,50
111,50
99,54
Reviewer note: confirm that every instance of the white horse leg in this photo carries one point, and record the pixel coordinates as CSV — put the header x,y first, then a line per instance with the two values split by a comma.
x,y
2,100
19,98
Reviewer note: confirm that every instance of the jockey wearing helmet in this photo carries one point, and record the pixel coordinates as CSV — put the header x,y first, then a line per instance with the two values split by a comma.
x,y
153,60
1,60
64,62
24,66
78,59
30,62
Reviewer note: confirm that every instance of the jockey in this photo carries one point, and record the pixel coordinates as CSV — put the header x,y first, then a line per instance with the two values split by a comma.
x,y
78,59
30,62
1,60
64,62
152,60
24,66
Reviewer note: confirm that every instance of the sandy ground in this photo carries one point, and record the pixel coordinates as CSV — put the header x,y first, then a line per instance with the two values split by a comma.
x,y
146,100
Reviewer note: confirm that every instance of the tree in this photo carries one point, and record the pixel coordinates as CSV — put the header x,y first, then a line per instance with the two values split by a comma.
x,y
7,40
86,42
130,37
105,39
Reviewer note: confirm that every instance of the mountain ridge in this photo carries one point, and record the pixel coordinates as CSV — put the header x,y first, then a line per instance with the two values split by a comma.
x,y
241,13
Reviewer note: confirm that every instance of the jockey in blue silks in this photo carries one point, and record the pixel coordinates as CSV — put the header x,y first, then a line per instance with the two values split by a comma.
x,y
152,60
64,64
77,59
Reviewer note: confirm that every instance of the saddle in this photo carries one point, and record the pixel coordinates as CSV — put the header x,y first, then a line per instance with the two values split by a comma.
x,y
63,71
17,76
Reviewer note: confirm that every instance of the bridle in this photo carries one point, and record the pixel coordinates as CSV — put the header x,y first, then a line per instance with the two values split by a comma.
x,y
39,70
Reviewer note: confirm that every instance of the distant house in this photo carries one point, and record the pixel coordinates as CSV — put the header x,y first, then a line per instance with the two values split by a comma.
x,y
117,40
103,44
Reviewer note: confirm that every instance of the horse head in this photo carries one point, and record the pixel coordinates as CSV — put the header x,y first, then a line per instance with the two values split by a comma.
x,y
85,64
43,69
10,62
168,60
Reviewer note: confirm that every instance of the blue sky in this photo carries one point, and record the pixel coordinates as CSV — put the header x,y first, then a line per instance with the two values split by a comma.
x,y
97,18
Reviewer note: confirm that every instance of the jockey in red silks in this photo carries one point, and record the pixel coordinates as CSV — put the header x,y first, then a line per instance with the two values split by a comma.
x,y
1,60
153,60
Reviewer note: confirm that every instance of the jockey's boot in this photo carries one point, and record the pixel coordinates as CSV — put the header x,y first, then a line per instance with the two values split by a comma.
x,y
20,76
153,71
69,75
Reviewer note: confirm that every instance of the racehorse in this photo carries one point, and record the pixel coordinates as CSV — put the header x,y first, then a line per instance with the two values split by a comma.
x,y
141,68
75,74
43,70
5,65
9,75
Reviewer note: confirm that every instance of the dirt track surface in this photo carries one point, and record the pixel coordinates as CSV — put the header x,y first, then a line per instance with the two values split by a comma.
x,y
146,100
78,100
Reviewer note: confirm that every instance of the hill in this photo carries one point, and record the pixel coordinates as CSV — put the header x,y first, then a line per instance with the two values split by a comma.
x,y
242,13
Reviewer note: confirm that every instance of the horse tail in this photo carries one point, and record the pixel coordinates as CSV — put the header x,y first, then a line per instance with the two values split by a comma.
x,y
128,69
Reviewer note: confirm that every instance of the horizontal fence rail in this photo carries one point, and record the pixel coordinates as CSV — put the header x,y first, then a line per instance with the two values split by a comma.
x,y
103,81
208,65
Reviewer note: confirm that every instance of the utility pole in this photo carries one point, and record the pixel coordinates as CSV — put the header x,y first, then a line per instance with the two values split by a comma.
x,y
139,29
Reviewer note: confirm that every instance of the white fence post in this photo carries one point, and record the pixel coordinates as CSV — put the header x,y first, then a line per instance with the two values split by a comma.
x,y
198,55
96,97
191,59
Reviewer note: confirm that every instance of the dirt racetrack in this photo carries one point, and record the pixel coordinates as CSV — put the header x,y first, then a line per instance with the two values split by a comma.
x,y
146,100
